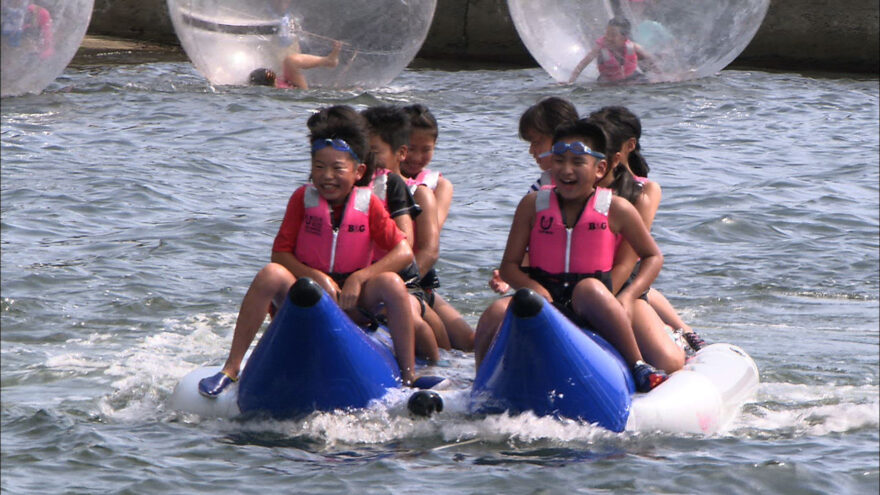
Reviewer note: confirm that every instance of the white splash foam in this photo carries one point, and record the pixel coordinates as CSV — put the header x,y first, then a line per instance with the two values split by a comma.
x,y
798,409
146,374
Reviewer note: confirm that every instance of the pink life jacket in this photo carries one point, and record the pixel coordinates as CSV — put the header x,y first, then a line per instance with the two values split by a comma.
x,y
586,248
609,68
318,243
426,177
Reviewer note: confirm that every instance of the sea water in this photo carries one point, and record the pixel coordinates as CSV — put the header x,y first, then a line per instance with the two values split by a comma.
x,y
138,202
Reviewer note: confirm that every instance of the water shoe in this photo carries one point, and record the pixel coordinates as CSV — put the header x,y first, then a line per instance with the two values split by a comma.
x,y
647,377
694,340
212,386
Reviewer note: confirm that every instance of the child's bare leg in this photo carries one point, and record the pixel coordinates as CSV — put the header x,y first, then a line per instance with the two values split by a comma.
x,y
270,284
332,58
426,343
438,328
654,343
488,325
295,63
388,288
461,335
666,312
593,301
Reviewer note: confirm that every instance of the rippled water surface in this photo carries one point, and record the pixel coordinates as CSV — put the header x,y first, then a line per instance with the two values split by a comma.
x,y
138,202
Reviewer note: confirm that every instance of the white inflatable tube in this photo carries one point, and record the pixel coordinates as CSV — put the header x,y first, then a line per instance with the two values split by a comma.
x,y
186,397
701,398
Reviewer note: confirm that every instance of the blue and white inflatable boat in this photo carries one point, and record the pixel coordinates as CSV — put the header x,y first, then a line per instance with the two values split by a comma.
x,y
314,358
311,358
541,362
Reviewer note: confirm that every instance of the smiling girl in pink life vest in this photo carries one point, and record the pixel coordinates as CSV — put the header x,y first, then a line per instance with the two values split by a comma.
x,y
628,179
327,234
570,232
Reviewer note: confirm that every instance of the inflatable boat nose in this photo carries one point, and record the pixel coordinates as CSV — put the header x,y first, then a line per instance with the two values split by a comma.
x,y
526,303
305,293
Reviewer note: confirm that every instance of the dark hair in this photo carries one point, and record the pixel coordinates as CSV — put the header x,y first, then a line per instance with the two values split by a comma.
x,y
546,115
390,123
329,116
344,122
623,183
621,124
262,77
422,119
622,24
592,134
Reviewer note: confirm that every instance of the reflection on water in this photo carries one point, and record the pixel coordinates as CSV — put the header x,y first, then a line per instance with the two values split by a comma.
x,y
138,201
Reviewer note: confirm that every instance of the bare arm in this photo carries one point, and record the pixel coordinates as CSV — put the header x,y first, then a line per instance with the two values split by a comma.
x,y
645,60
625,219
405,224
625,258
428,238
394,261
517,243
299,269
443,193
583,64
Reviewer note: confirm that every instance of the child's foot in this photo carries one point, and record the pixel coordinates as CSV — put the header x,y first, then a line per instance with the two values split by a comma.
x,y
212,386
332,59
694,340
428,381
647,377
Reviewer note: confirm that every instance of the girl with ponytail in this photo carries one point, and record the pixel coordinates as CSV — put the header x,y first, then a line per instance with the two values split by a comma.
x,y
629,180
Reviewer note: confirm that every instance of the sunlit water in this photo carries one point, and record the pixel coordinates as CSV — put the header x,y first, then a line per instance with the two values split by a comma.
x,y
138,202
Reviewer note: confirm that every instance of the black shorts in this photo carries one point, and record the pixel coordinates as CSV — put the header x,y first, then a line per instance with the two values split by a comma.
x,y
423,287
561,288
424,297
429,281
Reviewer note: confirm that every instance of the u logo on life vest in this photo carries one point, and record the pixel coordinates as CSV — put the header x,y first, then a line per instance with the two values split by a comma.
x,y
546,222
313,224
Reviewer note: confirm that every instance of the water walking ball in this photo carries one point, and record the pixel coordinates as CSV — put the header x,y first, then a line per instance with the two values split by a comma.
x,y
685,39
39,38
345,43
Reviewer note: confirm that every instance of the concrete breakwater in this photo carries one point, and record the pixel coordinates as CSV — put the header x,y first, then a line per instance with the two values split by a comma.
x,y
843,35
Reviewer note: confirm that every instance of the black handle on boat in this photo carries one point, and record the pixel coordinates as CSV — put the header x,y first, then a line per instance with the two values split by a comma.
x,y
305,292
425,403
526,303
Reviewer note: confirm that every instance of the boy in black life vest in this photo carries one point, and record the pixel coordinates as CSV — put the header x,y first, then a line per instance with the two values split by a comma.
x,y
570,232
328,234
